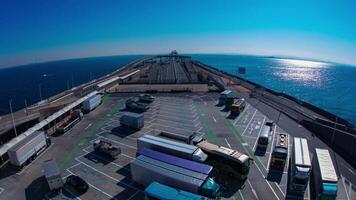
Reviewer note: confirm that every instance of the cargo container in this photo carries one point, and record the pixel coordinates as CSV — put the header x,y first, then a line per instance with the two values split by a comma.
x,y
132,120
189,138
27,149
52,174
91,103
324,175
145,170
171,147
300,168
173,160
157,191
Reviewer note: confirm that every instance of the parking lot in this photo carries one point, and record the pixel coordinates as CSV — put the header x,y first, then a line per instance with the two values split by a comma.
x,y
178,113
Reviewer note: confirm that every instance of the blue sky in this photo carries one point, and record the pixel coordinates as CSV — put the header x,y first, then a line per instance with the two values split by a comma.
x,y
41,30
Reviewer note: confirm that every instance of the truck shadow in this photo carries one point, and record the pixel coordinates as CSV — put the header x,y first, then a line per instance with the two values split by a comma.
x,y
97,157
122,132
37,189
260,151
7,171
275,175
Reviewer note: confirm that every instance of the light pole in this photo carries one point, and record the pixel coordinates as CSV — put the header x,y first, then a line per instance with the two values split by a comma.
x,y
12,116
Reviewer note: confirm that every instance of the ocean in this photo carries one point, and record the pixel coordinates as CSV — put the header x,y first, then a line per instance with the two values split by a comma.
x,y
326,85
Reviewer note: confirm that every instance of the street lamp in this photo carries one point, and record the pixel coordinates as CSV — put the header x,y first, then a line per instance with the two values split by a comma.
x,y
12,116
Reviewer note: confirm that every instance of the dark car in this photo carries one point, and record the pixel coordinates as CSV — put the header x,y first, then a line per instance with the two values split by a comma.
x,y
77,183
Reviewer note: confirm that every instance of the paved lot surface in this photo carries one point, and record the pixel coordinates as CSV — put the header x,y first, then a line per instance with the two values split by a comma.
x,y
183,112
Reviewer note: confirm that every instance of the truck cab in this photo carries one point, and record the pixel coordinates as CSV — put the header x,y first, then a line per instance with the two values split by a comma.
x,y
223,95
211,189
237,107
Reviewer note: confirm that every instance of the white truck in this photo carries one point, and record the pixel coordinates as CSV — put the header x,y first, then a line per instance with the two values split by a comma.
x,y
27,149
300,167
53,175
171,147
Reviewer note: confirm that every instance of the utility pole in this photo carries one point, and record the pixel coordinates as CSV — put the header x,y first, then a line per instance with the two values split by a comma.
x,y
26,107
12,116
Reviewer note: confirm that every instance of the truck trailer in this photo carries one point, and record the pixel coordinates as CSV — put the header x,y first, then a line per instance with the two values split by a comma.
x,y
91,103
190,138
324,176
106,148
53,175
132,120
145,170
27,150
171,147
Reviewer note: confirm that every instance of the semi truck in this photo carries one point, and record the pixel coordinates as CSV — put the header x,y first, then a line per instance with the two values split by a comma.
x,y
91,103
53,175
28,149
237,107
106,148
171,147
73,119
146,170
324,175
189,138
134,105
223,96
174,160
146,98
280,152
300,168
132,120
158,191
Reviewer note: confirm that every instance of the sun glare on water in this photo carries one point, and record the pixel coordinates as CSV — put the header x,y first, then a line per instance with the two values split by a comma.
x,y
301,71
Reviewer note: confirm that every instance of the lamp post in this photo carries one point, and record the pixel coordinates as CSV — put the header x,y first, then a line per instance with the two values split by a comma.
x,y
12,116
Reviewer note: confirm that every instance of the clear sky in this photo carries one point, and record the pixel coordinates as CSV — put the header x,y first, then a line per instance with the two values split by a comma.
x,y
40,30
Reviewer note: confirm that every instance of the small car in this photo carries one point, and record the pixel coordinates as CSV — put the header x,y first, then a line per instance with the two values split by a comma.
x,y
77,183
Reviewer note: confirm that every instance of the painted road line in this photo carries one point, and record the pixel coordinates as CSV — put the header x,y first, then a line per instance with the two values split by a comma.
x,y
111,197
2,190
270,153
214,118
259,133
253,190
89,125
343,183
133,195
117,142
228,144
240,115
71,193
248,124
275,194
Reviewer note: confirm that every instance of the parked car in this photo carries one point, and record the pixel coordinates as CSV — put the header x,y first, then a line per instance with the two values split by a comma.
x,y
77,183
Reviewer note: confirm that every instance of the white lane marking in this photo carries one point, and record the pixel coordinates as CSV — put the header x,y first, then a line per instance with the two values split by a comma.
x,y
71,193
228,144
343,183
2,190
96,188
270,153
133,195
214,118
248,124
88,126
259,133
267,183
252,189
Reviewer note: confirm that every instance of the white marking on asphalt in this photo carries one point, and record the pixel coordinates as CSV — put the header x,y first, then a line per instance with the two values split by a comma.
x,y
267,182
214,118
259,133
244,144
248,124
252,189
343,183
71,193
270,153
2,190
88,126
228,144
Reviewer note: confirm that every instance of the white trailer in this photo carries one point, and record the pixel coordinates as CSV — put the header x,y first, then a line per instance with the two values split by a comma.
x,y
52,174
171,147
91,103
300,166
27,149
324,175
